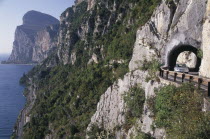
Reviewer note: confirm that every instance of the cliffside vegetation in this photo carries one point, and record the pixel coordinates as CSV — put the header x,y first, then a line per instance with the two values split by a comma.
x,y
152,67
134,100
67,95
179,111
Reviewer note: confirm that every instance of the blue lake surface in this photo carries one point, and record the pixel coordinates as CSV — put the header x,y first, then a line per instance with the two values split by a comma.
x,y
12,100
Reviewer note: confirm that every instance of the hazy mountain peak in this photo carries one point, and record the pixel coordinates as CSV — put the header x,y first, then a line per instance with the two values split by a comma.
x,y
37,18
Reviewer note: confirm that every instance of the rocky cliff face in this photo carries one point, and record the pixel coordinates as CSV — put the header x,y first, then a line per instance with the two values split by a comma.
x,y
96,42
111,109
172,24
98,21
84,44
205,42
171,27
34,39
187,58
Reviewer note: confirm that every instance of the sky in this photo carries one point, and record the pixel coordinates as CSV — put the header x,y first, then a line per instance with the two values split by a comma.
x,y
12,11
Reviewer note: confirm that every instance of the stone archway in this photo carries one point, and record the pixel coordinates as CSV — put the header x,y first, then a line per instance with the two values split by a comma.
x,y
174,53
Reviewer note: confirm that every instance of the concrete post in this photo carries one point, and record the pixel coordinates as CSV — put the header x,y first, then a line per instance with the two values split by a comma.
x,y
175,74
191,78
160,72
183,76
167,75
199,82
163,73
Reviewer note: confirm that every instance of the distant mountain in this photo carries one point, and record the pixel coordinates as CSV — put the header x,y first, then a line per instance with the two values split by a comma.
x,y
3,57
35,38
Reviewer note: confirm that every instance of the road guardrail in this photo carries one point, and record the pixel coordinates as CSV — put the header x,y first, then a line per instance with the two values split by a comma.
x,y
165,73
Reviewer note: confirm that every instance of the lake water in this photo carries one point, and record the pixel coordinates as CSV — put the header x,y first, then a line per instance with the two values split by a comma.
x,y
11,97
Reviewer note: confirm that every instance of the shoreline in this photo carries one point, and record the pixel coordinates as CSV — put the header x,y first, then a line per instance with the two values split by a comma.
x,y
19,64
21,98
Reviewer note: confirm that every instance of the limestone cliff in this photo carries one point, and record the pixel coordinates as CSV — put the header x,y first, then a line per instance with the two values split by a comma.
x,y
34,39
205,66
173,24
111,109
187,58
98,41
84,44
173,28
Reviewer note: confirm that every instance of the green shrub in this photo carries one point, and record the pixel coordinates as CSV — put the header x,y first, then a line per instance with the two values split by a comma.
x,y
200,53
99,133
134,100
143,136
179,111
73,130
152,67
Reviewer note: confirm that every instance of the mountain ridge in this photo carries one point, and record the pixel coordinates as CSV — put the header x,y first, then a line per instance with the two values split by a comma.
x,y
26,45
102,81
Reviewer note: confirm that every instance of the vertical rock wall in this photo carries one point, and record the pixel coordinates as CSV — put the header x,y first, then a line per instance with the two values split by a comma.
x,y
111,107
205,66
172,24
34,39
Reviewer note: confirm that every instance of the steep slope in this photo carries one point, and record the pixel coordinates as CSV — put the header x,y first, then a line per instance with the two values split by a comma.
x,y
95,46
171,25
103,83
34,39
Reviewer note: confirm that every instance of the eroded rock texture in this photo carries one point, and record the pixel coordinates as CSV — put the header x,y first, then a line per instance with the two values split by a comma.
x,y
187,58
35,38
173,25
111,108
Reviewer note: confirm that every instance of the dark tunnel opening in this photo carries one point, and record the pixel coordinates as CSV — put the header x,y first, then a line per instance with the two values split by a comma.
x,y
174,53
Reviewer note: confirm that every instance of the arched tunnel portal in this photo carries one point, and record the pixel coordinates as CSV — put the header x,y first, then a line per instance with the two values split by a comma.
x,y
174,53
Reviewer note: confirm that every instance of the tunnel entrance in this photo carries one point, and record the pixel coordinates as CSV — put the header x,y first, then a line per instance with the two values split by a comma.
x,y
174,53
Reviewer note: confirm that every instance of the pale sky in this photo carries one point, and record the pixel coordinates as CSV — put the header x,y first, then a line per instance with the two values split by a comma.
x,y
12,11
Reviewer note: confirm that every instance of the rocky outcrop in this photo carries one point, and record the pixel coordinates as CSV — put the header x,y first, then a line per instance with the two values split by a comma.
x,y
170,28
45,43
94,25
91,3
187,58
205,66
151,38
24,116
34,39
111,108
93,59
144,124
173,25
